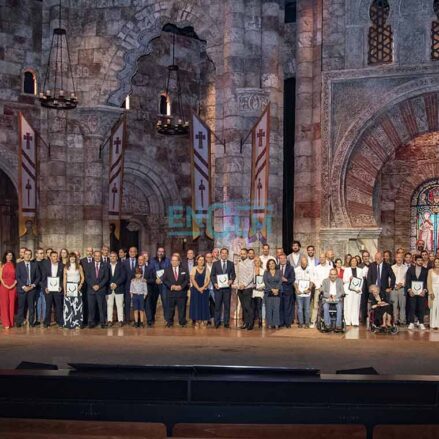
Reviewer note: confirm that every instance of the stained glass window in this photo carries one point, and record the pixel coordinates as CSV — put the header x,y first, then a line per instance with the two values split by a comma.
x,y
425,215
380,33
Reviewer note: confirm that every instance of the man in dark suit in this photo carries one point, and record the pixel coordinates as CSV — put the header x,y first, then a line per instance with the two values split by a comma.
x,y
222,295
416,299
160,262
116,289
53,268
287,296
129,265
176,281
188,263
381,274
88,259
28,277
97,277
149,274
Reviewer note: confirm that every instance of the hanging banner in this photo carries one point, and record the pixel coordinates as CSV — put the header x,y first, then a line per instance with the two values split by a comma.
x,y
115,187
259,177
201,175
27,175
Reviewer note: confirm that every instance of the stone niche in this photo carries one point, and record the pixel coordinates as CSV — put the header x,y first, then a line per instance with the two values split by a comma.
x,y
164,179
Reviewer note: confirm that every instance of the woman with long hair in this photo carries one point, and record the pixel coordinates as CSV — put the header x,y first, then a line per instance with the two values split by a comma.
x,y
199,305
64,256
73,281
8,289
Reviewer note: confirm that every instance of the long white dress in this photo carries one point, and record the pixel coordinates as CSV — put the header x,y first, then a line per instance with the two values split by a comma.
x,y
353,298
434,310
73,314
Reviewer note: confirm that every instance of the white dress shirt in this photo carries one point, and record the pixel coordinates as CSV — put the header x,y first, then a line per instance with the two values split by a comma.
x,y
400,273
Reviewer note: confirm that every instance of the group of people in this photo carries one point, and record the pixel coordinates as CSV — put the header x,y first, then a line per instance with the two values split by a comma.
x,y
73,292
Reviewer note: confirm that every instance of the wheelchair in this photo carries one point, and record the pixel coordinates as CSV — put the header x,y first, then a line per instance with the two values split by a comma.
x,y
320,323
376,328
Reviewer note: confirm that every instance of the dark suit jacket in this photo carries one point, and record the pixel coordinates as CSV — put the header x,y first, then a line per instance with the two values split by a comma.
x,y
287,288
129,274
149,274
46,271
217,268
388,279
21,275
118,278
101,279
411,276
185,265
183,280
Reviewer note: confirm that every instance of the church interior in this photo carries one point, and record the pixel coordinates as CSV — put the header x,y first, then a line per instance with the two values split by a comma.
x,y
195,126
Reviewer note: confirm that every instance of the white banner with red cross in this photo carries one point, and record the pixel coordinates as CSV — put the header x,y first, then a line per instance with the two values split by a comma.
x,y
259,177
27,174
115,188
201,175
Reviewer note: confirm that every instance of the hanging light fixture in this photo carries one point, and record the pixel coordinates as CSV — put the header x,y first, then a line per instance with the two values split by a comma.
x,y
173,124
58,90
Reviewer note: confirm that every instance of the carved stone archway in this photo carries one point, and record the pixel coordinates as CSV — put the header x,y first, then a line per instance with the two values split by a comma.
x,y
372,141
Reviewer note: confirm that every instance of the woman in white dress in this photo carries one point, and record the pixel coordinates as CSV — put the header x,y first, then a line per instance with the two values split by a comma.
x,y
73,275
353,286
433,294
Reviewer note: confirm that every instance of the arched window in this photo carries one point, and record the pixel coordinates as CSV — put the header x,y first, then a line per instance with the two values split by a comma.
x,y
435,32
425,215
380,33
29,82
164,105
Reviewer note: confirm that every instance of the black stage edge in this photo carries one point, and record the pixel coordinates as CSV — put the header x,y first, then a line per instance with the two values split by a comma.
x,y
216,394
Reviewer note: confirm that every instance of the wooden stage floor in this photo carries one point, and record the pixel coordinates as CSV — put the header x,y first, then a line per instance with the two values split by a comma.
x,y
409,352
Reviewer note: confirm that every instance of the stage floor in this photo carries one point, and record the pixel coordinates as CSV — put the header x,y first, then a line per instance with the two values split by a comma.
x,y
409,352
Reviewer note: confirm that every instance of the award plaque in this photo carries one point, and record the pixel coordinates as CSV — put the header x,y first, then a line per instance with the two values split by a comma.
x,y
159,273
53,284
417,287
356,284
72,289
223,280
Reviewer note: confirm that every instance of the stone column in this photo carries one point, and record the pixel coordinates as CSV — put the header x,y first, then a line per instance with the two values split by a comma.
x,y
229,165
272,85
308,143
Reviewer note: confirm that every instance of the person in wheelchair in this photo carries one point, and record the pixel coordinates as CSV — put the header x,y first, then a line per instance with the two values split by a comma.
x,y
332,295
382,309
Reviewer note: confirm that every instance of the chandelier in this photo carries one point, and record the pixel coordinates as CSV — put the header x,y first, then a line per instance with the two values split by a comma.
x,y
58,90
173,124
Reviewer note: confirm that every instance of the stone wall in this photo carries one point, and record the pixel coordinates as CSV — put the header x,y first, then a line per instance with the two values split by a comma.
x,y
112,44
368,114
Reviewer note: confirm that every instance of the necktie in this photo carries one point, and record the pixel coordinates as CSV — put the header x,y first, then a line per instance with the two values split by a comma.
x,y
224,267
175,273
283,270
97,270
132,264
379,275
28,273
89,260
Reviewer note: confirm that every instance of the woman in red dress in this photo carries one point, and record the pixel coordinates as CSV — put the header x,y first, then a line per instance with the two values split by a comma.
x,y
339,268
7,289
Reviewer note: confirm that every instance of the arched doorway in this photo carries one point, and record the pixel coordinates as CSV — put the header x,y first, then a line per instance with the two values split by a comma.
x,y
425,215
8,215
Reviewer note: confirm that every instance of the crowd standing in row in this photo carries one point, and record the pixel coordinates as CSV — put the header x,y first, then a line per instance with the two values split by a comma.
x,y
83,292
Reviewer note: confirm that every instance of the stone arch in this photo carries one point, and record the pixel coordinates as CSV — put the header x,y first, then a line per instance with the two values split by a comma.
x,y
372,139
9,165
134,38
159,192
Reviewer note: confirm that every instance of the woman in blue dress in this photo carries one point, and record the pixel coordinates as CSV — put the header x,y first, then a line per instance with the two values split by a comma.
x,y
199,306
